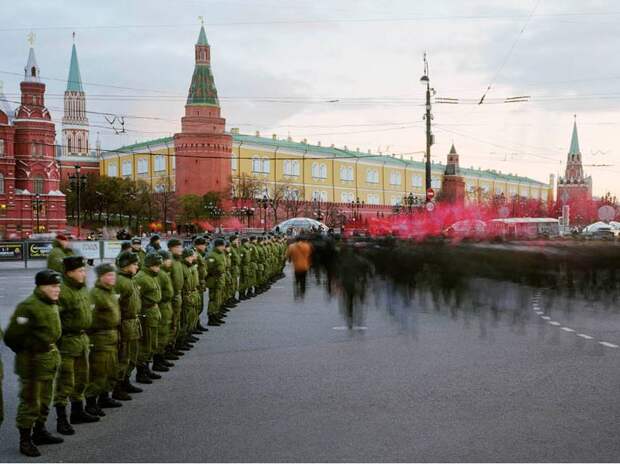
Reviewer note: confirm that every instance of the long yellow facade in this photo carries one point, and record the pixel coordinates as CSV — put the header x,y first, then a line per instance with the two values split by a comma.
x,y
315,172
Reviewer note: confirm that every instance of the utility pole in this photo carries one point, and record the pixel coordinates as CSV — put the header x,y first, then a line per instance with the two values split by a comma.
x,y
76,182
425,80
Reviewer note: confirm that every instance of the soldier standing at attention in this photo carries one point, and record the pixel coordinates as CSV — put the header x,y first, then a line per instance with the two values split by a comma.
x,y
216,263
200,244
60,250
235,257
136,247
150,295
32,333
129,303
76,316
227,290
104,338
245,255
175,246
189,305
125,246
165,308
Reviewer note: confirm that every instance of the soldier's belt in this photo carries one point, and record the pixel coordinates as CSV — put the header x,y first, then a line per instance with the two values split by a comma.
x,y
43,348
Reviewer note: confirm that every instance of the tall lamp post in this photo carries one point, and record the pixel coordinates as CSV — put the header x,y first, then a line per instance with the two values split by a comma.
x,y
264,202
425,80
76,182
37,206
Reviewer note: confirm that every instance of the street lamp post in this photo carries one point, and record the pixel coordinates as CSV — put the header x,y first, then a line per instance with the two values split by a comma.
x,y
264,202
37,203
77,182
425,80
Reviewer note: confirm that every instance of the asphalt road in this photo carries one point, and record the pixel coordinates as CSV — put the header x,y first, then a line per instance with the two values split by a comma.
x,y
289,380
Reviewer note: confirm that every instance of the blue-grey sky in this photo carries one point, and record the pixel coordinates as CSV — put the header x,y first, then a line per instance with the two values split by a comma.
x,y
346,72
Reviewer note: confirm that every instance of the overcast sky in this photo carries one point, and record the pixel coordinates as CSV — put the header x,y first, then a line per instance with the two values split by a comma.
x,y
346,72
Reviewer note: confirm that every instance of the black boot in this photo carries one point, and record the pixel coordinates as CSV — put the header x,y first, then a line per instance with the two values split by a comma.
x,y
40,435
26,446
169,355
142,375
152,375
119,393
213,321
191,338
129,388
158,365
92,407
106,402
79,416
62,424
164,361
201,327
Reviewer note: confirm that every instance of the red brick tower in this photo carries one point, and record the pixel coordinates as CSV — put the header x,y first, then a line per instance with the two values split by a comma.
x,y
202,149
453,185
37,175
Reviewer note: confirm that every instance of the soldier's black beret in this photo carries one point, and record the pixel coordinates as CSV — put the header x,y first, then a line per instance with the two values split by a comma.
x,y
47,277
154,238
126,258
174,242
218,242
200,241
136,241
104,269
252,237
152,259
70,263
244,240
165,254
187,252
125,246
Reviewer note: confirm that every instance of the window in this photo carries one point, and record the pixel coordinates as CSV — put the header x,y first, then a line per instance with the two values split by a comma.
x,y
296,167
394,201
1,183
435,183
160,163
143,166
37,184
347,197
513,190
79,144
291,194
287,166
315,170
319,195
395,178
1,147
266,166
416,180
256,165
373,199
323,171
346,173
37,150
372,176
69,145
126,168
233,163
112,170
499,190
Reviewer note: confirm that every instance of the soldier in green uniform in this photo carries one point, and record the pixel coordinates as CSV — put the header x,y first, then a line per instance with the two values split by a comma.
x,y
103,334
150,295
189,294
245,276
254,266
76,316
136,247
235,257
125,246
165,308
129,344
177,343
227,290
60,250
32,334
200,244
216,263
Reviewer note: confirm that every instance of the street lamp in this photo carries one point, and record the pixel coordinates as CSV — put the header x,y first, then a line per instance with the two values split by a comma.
x,y
37,206
425,80
76,182
264,202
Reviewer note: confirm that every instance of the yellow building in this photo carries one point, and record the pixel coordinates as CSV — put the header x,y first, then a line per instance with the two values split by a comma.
x,y
317,172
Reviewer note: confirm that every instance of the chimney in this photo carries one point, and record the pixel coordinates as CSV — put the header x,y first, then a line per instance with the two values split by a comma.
x,y
319,143
357,149
289,138
346,148
274,137
234,131
257,133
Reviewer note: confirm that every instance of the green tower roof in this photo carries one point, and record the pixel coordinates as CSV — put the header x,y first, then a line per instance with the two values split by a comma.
x,y
202,90
74,82
574,142
202,37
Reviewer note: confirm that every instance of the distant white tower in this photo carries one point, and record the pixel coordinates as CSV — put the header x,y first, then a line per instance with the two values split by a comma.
x,y
74,121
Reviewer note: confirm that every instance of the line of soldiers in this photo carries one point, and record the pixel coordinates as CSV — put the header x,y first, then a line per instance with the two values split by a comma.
x,y
80,346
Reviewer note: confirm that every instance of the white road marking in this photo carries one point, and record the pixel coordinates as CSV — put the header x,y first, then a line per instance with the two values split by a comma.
x,y
355,327
546,318
608,345
540,313
587,337
554,323
567,329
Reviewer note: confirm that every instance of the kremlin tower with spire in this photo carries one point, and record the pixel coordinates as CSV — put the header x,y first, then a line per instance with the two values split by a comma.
x,y
30,196
453,184
202,149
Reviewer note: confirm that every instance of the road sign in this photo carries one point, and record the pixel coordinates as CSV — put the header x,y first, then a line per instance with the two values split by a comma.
x,y
430,206
430,194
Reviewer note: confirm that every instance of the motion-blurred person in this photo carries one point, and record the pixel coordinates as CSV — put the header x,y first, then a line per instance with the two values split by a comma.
x,y
60,250
300,254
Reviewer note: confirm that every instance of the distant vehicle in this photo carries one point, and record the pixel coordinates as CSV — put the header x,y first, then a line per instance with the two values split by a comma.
x,y
467,228
602,230
523,228
299,224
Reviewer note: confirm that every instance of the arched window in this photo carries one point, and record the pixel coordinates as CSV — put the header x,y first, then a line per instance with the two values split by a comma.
x,y
1,183
2,148
79,144
37,184
69,145
33,72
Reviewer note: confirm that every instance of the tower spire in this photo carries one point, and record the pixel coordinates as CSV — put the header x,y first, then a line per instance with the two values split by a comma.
x,y
202,90
31,70
574,141
74,81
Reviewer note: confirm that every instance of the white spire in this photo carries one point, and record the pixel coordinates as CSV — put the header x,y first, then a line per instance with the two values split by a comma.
x,y
5,106
31,71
